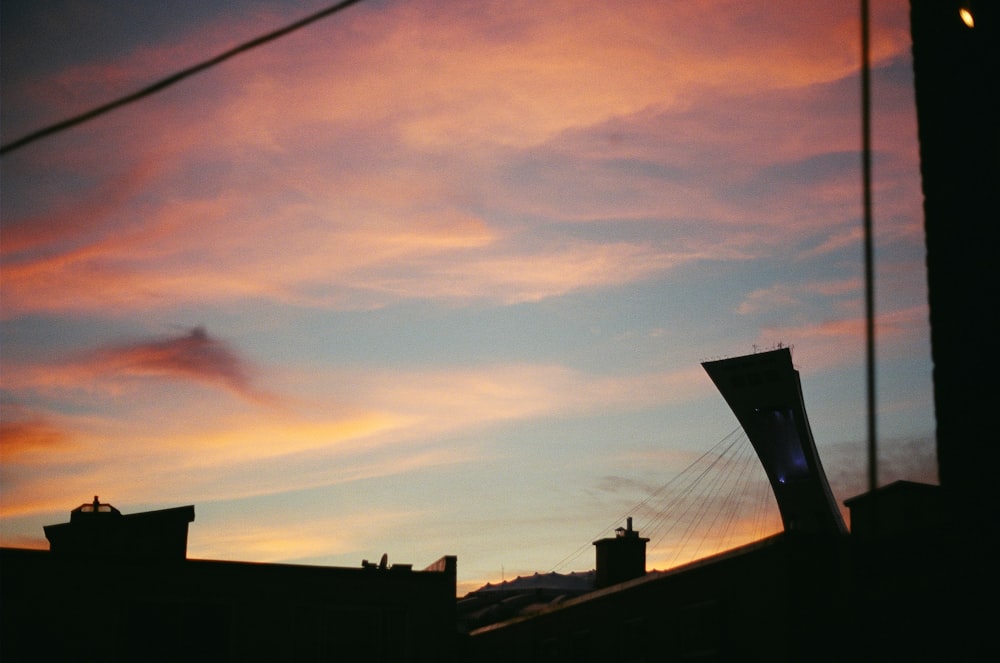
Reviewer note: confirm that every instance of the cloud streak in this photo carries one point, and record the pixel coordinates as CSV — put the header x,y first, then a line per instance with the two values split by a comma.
x,y
388,425
348,171
194,356
190,357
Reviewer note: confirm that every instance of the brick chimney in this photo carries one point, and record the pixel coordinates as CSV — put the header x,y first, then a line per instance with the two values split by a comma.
x,y
620,558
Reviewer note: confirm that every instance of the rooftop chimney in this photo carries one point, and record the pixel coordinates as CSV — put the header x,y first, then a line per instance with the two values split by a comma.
x,y
620,558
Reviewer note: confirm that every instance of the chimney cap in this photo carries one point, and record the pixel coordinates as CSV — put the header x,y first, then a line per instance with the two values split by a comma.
x,y
626,531
90,509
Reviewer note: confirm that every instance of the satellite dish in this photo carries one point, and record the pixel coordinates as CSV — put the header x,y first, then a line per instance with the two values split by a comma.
x,y
384,562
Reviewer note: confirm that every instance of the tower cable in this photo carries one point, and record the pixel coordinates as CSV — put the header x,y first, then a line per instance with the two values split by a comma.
x,y
698,508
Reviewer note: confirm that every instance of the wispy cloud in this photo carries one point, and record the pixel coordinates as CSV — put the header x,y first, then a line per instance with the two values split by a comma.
x,y
193,356
787,296
20,439
355,426
357,160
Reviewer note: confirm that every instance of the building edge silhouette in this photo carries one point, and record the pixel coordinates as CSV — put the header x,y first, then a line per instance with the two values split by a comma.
x,y
117,587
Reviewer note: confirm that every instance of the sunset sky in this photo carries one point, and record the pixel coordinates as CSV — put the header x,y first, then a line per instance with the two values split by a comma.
x,y
433,277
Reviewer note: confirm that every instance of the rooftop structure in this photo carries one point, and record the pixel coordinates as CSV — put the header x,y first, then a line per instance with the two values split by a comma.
x,y
99,529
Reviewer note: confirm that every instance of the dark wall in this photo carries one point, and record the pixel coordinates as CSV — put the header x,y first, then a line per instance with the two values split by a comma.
x,y
63,609
781,600
956,77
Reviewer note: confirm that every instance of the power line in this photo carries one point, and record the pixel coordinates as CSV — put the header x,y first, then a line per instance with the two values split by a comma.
x,y
173,78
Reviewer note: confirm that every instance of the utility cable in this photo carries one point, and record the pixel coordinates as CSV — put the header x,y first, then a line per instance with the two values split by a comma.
x,y
173,78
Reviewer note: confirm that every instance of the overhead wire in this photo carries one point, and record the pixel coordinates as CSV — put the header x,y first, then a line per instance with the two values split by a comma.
x,y
173,78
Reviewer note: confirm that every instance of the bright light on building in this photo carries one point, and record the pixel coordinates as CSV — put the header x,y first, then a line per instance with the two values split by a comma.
x,y
967,17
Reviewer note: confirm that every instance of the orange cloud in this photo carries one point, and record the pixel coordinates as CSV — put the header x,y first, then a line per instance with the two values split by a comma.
x,y
384,424
194,356
68,223
19,439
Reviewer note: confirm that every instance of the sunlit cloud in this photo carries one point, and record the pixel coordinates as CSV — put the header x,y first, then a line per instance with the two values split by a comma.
x,y
234,463
21,439
787,296
384,432
836,343
849,238
780,296
194,356
356,231
69,223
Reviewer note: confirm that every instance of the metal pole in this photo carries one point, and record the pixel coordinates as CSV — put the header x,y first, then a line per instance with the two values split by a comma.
x,y
866,159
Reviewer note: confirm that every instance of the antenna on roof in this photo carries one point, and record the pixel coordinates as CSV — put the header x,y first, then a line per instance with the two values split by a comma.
x,y
384,562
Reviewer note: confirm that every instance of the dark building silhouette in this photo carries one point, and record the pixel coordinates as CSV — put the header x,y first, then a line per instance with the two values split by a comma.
x,y
901,586
106,591
764,392
100,530
520,598
931,592
778,599
957,84
618,559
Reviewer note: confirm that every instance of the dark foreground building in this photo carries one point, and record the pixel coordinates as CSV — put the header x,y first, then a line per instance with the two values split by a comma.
x,y
917,578
773,600
894,589
118,587
902,586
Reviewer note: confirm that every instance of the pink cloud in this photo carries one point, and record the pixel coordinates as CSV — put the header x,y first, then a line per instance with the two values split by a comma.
x,y
835,343
194,356
342,158
72,221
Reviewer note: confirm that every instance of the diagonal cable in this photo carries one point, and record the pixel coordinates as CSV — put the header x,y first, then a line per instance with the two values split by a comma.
x,y
173,78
